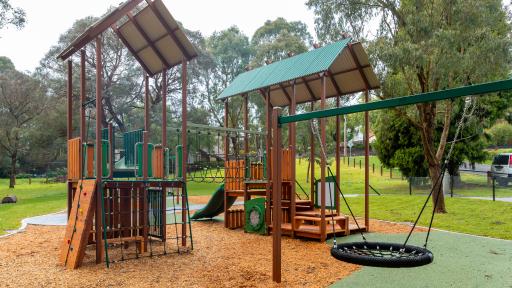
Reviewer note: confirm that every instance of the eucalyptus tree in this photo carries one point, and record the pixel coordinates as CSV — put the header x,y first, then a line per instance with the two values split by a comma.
x,y
10,15
421,46
22,100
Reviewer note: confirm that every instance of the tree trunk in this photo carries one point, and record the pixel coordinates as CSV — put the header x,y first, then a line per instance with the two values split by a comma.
x,y
437,194
12,178
427,119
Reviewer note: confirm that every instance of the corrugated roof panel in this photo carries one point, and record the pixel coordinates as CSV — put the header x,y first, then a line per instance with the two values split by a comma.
x,y
151,59
301,65
150,24
132,36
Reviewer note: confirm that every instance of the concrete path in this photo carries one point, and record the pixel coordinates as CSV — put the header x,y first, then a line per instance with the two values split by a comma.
x,y
60,218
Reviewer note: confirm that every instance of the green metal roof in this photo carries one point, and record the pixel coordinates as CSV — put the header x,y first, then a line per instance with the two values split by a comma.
x,y
296,67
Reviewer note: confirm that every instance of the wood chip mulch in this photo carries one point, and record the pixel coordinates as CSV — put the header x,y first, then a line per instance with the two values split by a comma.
x,y
221,258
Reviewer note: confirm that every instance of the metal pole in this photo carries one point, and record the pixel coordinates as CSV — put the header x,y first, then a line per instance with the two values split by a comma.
x,y
493,188
276,198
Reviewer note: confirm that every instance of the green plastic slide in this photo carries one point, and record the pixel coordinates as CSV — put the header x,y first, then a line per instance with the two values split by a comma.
x,y
215,206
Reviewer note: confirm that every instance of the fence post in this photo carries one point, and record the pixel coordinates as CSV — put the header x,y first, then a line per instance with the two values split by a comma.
x,y
451,186
359,163
410,185
390,173
493,188
381,172
354,162
373,168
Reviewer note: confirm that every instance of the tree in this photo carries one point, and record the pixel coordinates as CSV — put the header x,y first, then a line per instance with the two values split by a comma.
x,y
275,39
22,99
423,46
11,15
225,55
501,134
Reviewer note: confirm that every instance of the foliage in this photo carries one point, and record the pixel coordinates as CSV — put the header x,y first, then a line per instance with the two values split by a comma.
x,y
501,134
423,46
275,39
22,100
398,144
11,15
6,64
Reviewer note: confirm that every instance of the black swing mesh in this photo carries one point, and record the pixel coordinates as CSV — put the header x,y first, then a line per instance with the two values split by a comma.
x,y
382,254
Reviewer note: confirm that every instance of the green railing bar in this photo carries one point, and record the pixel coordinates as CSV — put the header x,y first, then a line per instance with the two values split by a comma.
x,y
402,101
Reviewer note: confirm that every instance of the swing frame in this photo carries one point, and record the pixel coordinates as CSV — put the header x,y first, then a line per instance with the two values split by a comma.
x,y
279,121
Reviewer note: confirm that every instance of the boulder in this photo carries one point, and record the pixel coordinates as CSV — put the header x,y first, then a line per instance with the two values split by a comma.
x,y
9,199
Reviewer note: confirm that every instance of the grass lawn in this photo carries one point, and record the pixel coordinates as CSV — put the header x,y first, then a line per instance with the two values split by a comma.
x,y
471,216
465,215
34,199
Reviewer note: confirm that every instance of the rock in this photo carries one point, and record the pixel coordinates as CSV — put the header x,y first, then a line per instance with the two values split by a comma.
x,y
9,199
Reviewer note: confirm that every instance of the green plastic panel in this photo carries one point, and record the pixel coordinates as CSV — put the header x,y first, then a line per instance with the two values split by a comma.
x,y
139,149
255,216
166,162
129,140
179,161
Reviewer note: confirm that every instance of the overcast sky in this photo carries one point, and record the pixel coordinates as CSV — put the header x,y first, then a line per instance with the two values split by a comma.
x,y
47,20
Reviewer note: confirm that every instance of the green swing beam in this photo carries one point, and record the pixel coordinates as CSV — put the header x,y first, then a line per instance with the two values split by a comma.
x,y
477,89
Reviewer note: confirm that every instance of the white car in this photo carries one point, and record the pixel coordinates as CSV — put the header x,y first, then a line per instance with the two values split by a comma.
x,y
501,168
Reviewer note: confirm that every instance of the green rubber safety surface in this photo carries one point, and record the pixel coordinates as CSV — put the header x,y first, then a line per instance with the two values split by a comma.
x,y
459,261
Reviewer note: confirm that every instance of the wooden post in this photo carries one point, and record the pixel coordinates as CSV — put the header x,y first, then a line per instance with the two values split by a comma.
x,y
338,163
147,104
276,198
184,84
164,146
312,161
164,109
111,152
246,139
70,126
83,127
226,159
366,165
268,126
70,100
293,150
99,172
83,77
323,161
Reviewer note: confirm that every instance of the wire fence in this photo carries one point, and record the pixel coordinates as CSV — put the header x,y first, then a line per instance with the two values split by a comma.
x,y
469,185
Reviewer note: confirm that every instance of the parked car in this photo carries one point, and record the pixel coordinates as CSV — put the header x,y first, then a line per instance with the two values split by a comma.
x,y
501,168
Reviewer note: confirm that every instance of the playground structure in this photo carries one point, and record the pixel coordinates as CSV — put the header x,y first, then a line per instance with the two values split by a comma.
x,y
136,211
334,70
114,202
